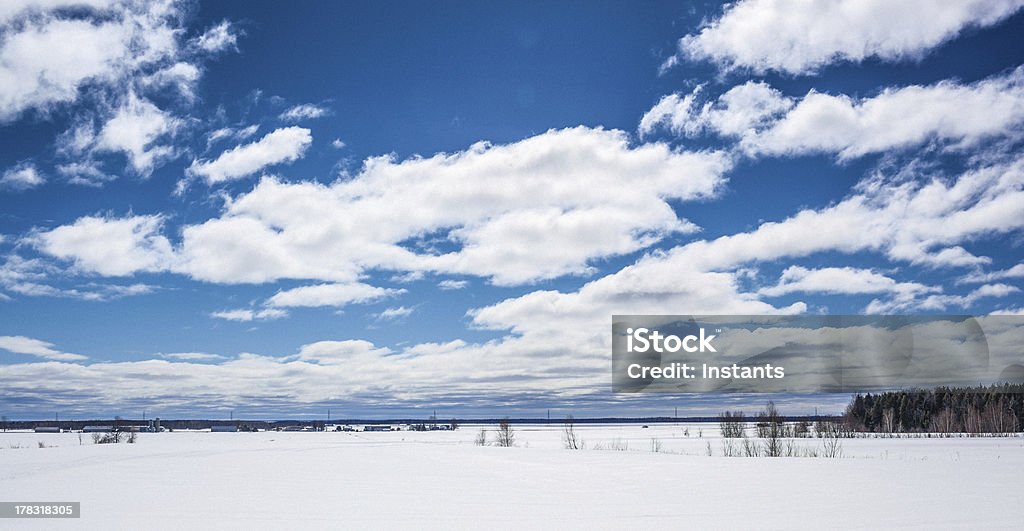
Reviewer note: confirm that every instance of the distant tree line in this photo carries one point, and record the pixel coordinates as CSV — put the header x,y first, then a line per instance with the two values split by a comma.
x,y
993,409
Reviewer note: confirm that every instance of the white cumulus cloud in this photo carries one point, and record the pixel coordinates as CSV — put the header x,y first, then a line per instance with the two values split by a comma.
x,y
840,280
765,122
802,36
134,130
21,177
518,213
109,246
280,146
39,70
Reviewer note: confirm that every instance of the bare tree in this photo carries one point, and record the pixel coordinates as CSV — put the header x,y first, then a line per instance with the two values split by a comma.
x,y
569,438
733,424
889,421
112,437
944,422
972,420
997,417
772,429
506,436
481,438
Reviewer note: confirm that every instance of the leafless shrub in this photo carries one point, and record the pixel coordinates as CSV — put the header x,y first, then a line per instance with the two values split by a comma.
x,y
506,436
112,437
656,445
751,448
832,446
617,444
830,428
481,438
732,424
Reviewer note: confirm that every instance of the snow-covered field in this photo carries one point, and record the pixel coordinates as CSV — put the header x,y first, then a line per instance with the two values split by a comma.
x,y
411,480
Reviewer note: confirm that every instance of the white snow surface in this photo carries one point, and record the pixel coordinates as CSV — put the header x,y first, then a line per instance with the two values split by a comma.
x,y
442,480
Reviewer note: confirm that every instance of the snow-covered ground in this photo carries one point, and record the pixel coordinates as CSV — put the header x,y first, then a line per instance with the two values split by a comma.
x,y
410,480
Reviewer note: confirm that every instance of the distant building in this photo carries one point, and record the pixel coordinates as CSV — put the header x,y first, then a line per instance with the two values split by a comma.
x,y
47,429
97,429
376,427
223,428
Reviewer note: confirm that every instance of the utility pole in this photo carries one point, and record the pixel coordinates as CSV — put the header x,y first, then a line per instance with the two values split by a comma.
x,y
677,412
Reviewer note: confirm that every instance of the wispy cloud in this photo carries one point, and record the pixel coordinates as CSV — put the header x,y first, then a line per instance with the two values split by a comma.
x,y
449,284
305,111
37,348
245,315
220,37
192,356
336,295
392,314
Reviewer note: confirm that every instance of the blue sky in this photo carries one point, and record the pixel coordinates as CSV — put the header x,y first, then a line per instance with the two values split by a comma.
x,y
387,208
